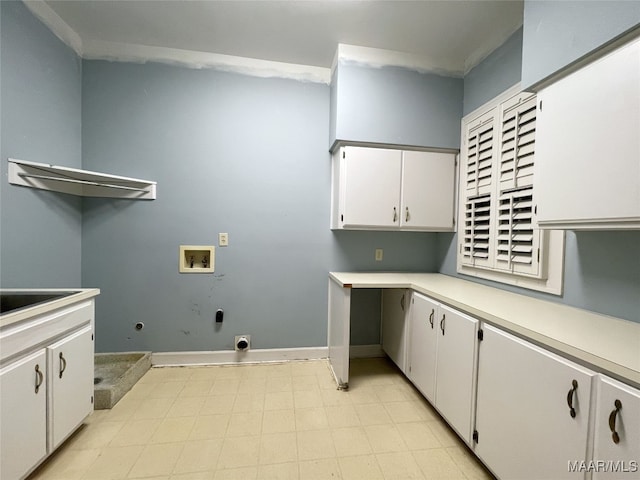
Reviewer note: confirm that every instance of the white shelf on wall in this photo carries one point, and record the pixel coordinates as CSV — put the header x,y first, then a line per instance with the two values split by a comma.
x,y
79,182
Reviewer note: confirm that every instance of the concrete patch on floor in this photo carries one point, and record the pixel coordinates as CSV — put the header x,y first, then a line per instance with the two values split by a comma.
x,y
115,374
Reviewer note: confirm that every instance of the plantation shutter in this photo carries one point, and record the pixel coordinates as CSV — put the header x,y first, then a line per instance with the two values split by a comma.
x,y
517,241
517,141
476,238
480,152
497,238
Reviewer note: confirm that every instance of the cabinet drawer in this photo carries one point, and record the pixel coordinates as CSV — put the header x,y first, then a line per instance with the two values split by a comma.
x,y
41,329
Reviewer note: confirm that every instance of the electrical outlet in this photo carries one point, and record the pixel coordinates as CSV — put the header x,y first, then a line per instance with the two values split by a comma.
x,y
223,239
379,254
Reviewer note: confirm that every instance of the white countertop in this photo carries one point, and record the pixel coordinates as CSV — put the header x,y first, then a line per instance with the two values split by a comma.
x,y
606,344
18,315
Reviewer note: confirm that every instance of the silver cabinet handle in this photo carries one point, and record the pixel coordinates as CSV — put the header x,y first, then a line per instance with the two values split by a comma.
x,y
402,303
395,214
406,216
431,318
442,324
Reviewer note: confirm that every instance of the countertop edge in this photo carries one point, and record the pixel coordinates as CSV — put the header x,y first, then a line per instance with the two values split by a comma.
x,y
574,352
25,313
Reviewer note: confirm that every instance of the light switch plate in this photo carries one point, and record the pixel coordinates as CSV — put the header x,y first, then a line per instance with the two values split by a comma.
x,y
379,252
223,239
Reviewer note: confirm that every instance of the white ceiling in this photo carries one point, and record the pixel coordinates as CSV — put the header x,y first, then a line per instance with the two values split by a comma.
x,y
452,36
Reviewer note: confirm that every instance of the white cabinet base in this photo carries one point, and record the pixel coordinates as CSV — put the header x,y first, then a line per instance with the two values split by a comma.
x,y
618,406
523,419
51,348
71,384
23,415
442,360
395,308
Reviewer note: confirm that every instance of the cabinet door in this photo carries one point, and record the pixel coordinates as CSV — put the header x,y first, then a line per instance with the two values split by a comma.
x,y
71,384
455,379
394,325
23,415
427,190
338,334
525,425
587,150
371,182
422,345
622,458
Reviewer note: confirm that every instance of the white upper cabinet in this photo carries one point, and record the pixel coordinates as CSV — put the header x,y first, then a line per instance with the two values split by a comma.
x,y
588,147
385,189
371,194
427,190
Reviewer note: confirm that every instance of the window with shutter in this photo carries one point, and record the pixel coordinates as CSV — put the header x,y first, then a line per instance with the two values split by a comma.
x,y
498,236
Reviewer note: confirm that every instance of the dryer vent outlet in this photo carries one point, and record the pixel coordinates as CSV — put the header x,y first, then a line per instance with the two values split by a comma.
x,y
243,343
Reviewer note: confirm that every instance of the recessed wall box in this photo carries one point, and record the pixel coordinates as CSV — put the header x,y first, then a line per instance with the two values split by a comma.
x,y
196,258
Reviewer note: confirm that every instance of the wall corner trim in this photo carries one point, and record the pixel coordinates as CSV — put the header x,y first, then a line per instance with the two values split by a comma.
x,y
57,25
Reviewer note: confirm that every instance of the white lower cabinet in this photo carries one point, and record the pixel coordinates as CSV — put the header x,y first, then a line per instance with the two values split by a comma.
x,y
46,385
23,415
423,341
395,308
616,446
442,360
532,416
71,382
527,413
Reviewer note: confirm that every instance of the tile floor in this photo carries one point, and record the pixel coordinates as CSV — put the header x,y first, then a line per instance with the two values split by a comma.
x,y
269,421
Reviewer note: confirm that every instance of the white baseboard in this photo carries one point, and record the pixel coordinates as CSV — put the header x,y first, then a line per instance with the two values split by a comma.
x,y
222,357
230,357
365,351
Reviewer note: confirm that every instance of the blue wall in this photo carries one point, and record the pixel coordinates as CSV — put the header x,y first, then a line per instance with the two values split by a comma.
x,y
40,232
558,33
601,272
602,269
230,153
495,74
395,105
